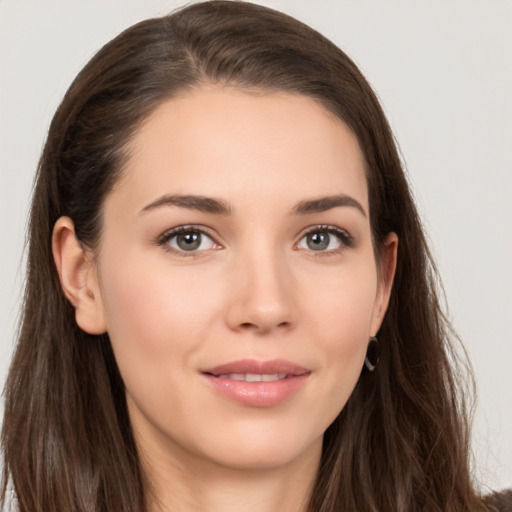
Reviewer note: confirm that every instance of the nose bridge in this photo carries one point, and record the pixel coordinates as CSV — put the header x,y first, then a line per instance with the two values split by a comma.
x,y
264,289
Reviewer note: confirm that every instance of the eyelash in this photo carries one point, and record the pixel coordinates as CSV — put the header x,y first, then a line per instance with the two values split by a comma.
x,y
164,239
345,239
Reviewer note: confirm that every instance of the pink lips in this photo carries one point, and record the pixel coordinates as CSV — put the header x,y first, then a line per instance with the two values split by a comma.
x,y
257,383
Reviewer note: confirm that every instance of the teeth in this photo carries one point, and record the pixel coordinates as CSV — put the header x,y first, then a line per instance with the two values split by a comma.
x,y
254,377
269,377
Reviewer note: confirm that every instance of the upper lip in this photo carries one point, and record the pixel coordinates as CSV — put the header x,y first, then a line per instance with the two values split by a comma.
x,y
258,367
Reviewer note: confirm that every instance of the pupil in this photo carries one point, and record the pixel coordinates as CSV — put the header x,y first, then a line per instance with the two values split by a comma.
x,y
318,241
189,241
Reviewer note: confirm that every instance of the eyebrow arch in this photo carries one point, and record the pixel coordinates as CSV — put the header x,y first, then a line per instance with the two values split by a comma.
x,y
192,202
323,204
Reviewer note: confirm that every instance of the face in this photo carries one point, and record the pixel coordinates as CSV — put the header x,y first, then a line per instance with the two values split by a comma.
x,y
236,277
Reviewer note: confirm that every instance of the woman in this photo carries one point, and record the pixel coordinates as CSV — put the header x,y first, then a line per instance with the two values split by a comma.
x,y
222,242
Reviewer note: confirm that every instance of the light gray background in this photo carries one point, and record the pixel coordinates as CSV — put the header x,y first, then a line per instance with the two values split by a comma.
x,y
443,70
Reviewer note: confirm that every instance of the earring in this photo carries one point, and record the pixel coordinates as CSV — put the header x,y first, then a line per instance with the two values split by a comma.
x,y
372,354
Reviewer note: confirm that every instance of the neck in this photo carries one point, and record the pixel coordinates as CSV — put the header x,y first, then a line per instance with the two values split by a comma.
x,y
202,486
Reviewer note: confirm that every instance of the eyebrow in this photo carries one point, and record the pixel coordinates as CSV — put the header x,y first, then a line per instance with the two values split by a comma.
x,y
220,207
323,204
192,202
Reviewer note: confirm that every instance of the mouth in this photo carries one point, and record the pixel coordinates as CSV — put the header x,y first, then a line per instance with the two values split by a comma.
x,y
253,377
276,369
257,383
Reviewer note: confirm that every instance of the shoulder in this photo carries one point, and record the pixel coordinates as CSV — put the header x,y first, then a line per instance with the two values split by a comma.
x,y
499,501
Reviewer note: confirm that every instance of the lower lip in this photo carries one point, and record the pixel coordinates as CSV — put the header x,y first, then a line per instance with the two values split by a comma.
x,y
258,394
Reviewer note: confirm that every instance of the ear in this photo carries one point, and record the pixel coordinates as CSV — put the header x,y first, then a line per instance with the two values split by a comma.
x,y
385,276
78,277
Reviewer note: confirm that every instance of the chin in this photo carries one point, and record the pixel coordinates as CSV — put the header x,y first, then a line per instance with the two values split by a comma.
x,y
266,452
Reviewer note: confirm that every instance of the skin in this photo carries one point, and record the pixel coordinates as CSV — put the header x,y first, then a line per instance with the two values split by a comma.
x,y
257,288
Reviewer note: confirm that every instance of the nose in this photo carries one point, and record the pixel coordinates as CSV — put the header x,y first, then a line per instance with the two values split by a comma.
x,y
263,298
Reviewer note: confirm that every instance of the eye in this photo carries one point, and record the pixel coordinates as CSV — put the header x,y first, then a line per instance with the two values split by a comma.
x,y
325,239
187,239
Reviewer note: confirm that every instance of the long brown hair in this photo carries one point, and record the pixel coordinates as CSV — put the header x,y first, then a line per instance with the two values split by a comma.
x,y
401,442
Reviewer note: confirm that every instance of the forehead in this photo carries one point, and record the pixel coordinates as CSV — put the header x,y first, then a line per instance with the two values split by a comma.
x,y
235,144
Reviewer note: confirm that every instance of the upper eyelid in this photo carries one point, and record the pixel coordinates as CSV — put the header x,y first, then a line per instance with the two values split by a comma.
x,y
324,227
169,233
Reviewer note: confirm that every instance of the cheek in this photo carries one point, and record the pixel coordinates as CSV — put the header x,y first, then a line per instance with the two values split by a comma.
x,y
154,318
156,321
342,319
133,305
343,308
150,305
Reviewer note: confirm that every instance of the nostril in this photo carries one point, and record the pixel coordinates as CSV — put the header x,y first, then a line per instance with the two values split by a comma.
x,y
257,327
253,316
